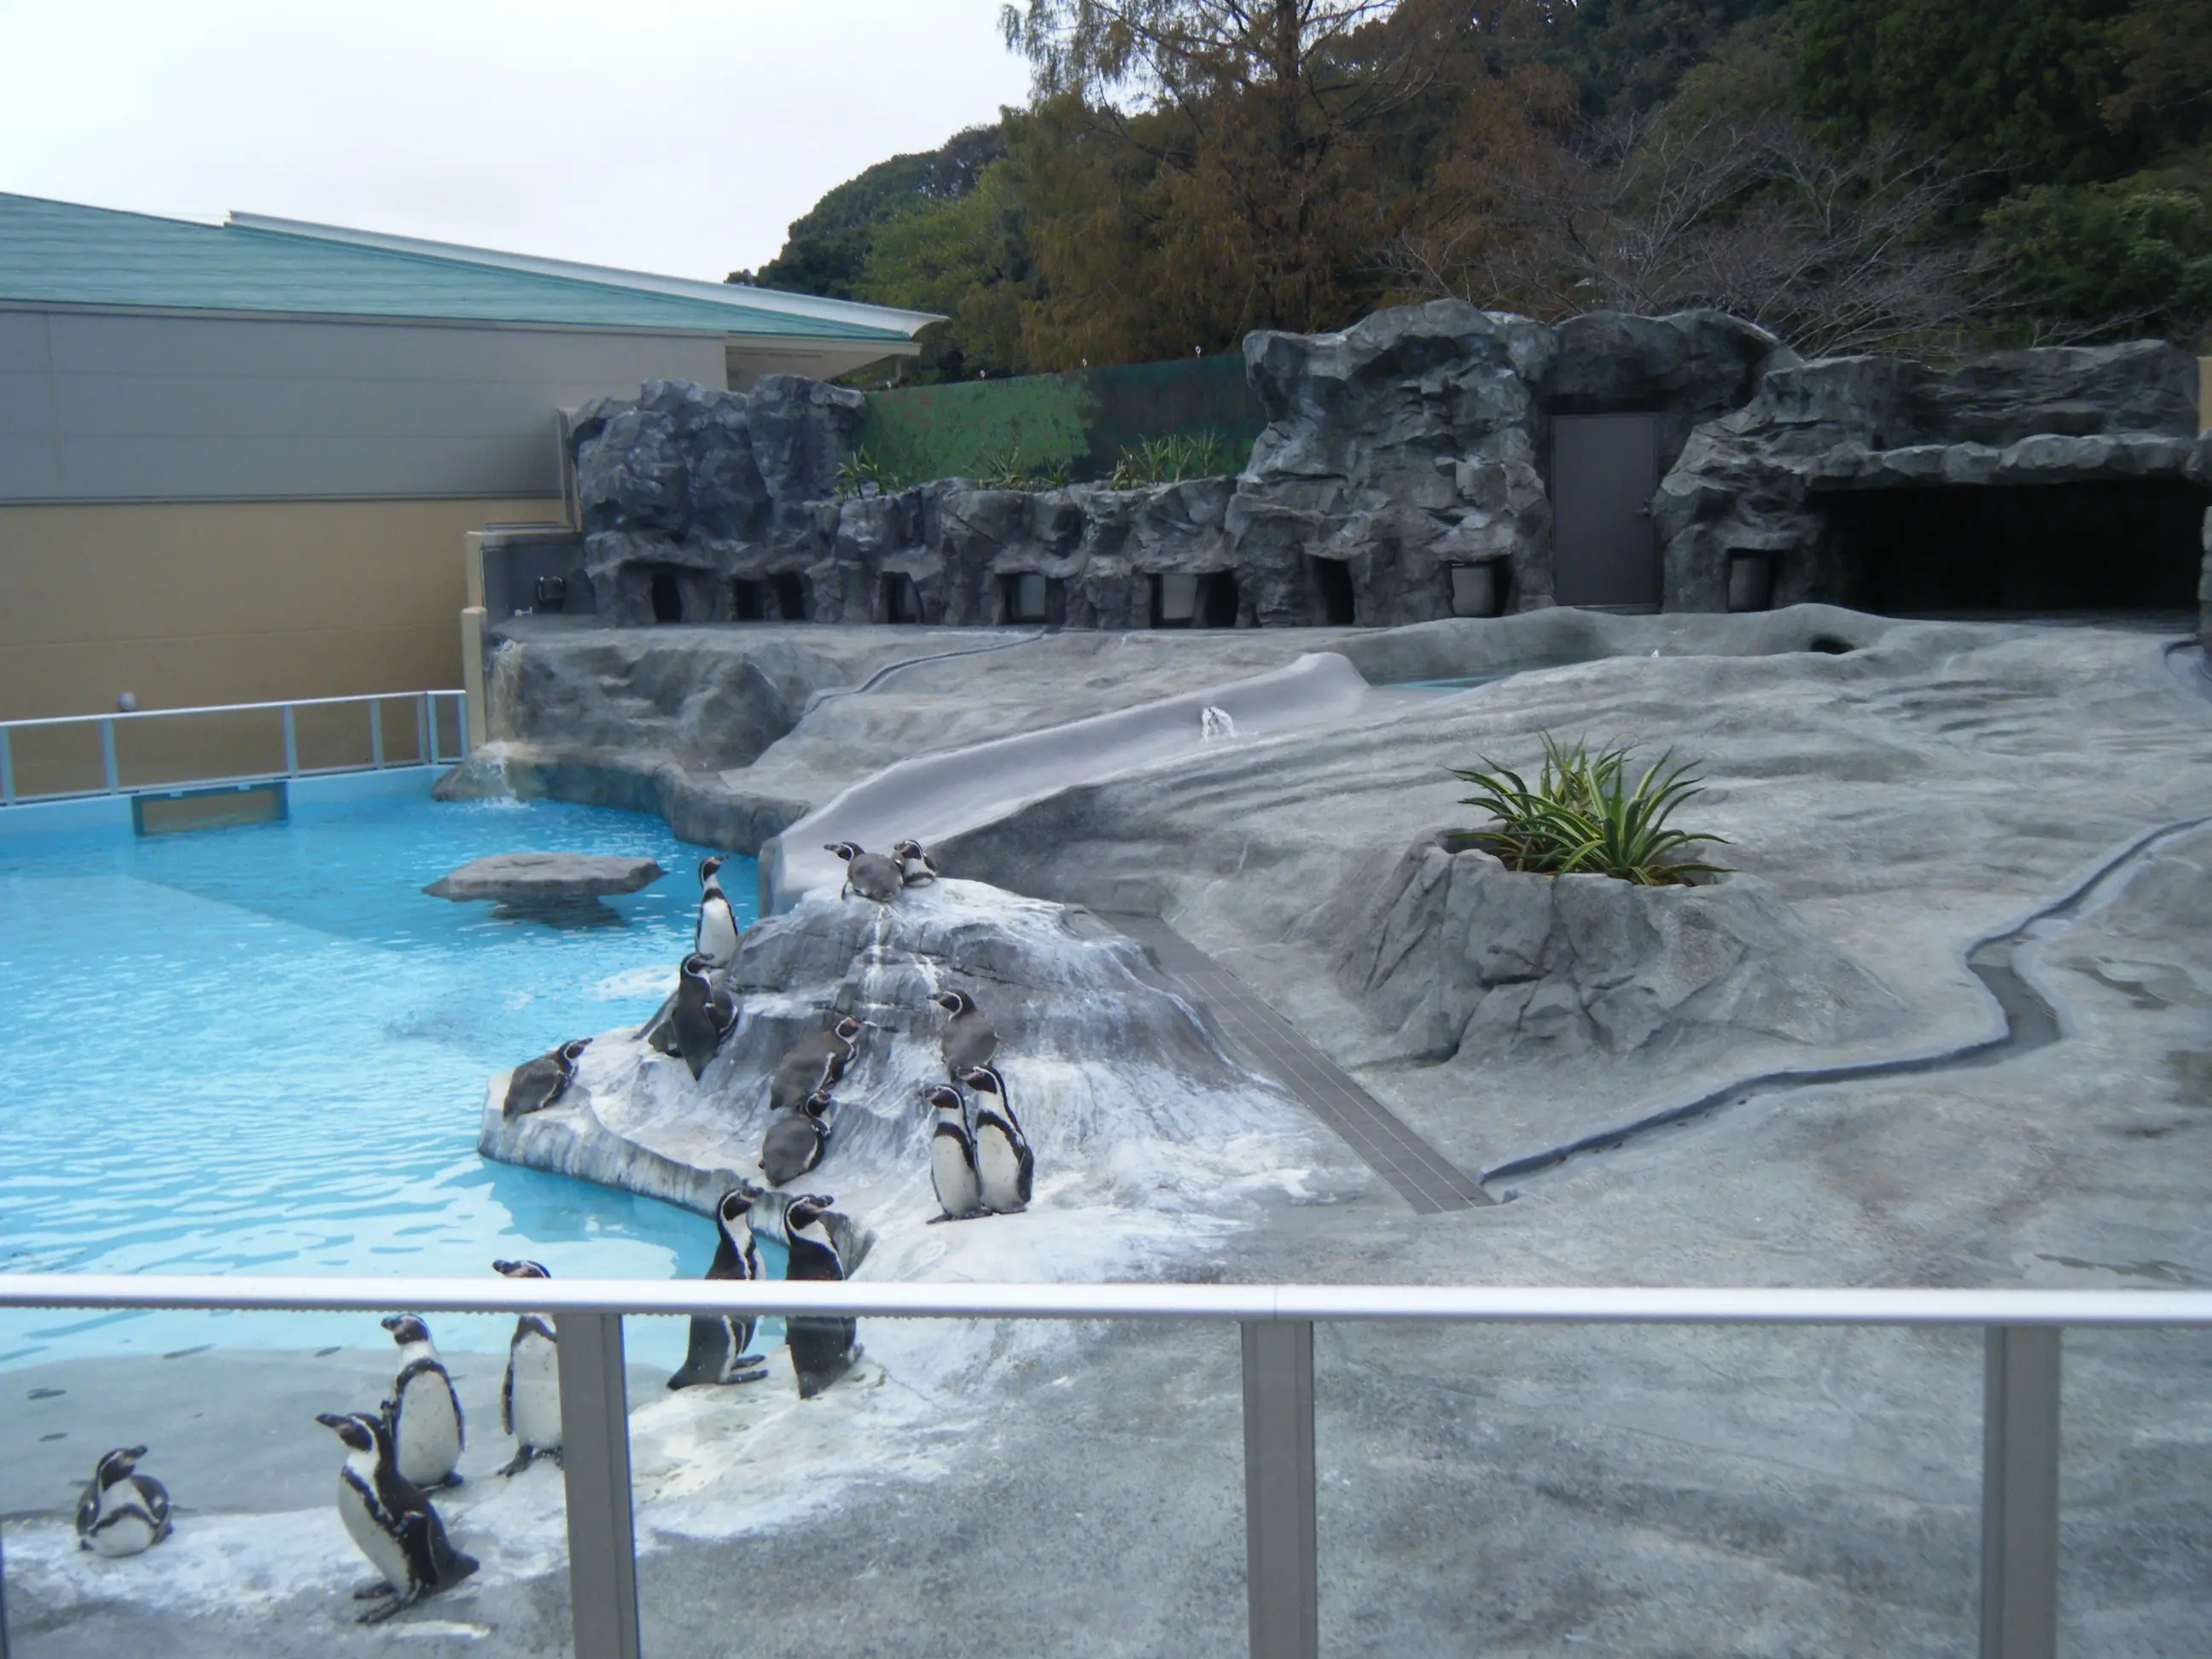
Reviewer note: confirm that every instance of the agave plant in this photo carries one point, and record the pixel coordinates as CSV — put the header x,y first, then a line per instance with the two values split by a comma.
x,y
1170,459
1584,816
864,473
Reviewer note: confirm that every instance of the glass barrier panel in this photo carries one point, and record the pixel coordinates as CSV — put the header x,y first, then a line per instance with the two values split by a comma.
x,y
403,738
189,748
1647,1489
57,760
448,727
997,1490
332,735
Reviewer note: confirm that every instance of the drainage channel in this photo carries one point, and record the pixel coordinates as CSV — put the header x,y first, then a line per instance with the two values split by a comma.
x,y
1428,1181
2030,1021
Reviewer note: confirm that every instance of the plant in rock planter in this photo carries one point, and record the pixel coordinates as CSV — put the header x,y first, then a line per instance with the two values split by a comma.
x,y
1583,816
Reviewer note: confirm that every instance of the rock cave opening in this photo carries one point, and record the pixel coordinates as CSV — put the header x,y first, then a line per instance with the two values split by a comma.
x,y
788,589
902,600
747,601
1333,591
667,595
1184,598
2103,545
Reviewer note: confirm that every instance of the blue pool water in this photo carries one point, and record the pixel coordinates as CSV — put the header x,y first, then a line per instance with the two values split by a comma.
x,y
264,1049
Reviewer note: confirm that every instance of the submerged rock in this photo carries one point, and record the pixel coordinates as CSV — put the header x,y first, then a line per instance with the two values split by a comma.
x,y
561,888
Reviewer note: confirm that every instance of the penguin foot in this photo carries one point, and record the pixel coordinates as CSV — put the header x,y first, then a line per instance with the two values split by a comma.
x,y
521,1461
967,1215
377,1615
372,1590
453,1478
752,1376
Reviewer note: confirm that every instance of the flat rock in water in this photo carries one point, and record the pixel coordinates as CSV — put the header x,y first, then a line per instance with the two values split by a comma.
x,y
529,880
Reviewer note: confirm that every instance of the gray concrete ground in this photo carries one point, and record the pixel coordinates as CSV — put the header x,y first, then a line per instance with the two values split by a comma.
x,y
1559,1491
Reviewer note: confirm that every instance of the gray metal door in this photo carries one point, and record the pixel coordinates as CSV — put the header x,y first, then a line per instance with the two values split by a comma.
x,y
1605,468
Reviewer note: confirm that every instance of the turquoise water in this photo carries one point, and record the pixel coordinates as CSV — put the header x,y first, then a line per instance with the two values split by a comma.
x,y
264,1050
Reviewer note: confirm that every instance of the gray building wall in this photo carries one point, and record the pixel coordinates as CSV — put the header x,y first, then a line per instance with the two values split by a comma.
x,y
119,406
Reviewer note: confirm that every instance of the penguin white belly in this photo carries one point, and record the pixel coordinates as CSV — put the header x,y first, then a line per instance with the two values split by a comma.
x,y
535,1395
125,1529
381,1549
998,1169
953,1177
429,1435
717,935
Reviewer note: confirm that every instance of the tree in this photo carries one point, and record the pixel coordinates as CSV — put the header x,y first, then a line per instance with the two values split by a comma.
x,y
2109,261
967,257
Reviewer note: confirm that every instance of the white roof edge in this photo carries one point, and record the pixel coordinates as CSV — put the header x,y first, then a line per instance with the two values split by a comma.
x,y
733,293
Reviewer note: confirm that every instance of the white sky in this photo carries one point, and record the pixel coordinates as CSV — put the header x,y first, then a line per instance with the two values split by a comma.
x,y
671,135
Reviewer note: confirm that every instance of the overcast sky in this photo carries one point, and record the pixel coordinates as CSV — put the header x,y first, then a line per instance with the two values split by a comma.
x,y
671,135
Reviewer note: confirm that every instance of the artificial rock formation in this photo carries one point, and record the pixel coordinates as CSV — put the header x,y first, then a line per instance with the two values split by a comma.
x,y
1462,958
562,888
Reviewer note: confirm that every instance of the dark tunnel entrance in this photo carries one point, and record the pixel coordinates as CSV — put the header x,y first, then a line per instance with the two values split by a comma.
x,y
2100,546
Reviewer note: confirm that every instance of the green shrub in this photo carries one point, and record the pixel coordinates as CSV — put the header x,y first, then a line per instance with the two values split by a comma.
x,y
1172,458
1582,816
862,473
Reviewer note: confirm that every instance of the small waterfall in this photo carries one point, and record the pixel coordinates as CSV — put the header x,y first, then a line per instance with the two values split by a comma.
x,y
1214,725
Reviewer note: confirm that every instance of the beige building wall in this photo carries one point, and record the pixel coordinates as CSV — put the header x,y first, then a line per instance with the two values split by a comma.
x,y
187,604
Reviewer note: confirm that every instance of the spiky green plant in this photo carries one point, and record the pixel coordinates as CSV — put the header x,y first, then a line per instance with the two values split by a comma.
x,y
1583,816
862,473
1171,458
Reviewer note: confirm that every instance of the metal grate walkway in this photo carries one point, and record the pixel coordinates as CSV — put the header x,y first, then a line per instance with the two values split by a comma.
x,y
1264,1040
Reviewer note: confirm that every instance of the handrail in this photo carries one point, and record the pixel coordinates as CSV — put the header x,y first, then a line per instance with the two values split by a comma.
x,y
2023,1333
866,1298
225,707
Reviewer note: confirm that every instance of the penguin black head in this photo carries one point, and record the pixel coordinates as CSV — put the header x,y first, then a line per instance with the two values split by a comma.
x,y
734,1204
117,1465
909,850
954,1002
406,1327
360,1431
847,850
817,1104
849,1028
805,1210
984,1079
696,965
943,1098
573,1051
520,1270
709,865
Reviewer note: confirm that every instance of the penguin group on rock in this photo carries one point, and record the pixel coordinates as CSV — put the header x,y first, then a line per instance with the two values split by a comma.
x,y
882,876
979,1162
122,1513
822,1349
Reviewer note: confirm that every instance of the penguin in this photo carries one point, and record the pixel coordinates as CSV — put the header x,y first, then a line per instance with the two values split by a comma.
x,y
704,1017
122,1512
424,1412
914,867
968,1037
530,1398
391,1520
952,1156
821,1348
876,876
719,1341
537,1083
716,936
794,1145
813,1064
1005,1166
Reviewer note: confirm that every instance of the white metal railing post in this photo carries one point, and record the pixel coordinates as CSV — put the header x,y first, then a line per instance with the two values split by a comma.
x,y
2020,1492
4,1605
107,755
425,754
595,1463
7,799
291,744
375,734
1282,1584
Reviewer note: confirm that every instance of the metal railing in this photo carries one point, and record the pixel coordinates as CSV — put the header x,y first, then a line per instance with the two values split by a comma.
x,y
429,750
2021,1396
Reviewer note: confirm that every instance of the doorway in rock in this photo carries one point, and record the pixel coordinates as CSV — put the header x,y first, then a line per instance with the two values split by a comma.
x,y
667,596
1333,604
1605,470
1183,599
2096,546
1032,599
748,600
902,600
789,592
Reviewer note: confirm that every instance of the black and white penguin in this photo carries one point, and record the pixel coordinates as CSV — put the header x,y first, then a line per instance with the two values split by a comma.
x,y
952,1156
719,1341
822,1349
389,1518
424,1412
795,1144
537,1083
876,876
1005,1166
122,1512
703,1016
530,1398
716,936
914,867
813,1064
969,1039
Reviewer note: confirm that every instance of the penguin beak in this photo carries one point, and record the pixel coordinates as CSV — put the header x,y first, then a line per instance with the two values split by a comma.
x,y
332,1421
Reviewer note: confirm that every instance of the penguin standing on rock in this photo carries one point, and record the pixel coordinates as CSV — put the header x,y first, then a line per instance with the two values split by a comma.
x,y
1005,1168
703,1016
719,1341
969,1039
821,1348
794,1145
122,1512
530,1398
391,1522
876,876
716,936
424,1413
537,1083
813,1064
914,867
952,1156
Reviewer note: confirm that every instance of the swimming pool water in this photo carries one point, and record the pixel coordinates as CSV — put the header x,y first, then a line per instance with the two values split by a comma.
x,y
264,1049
